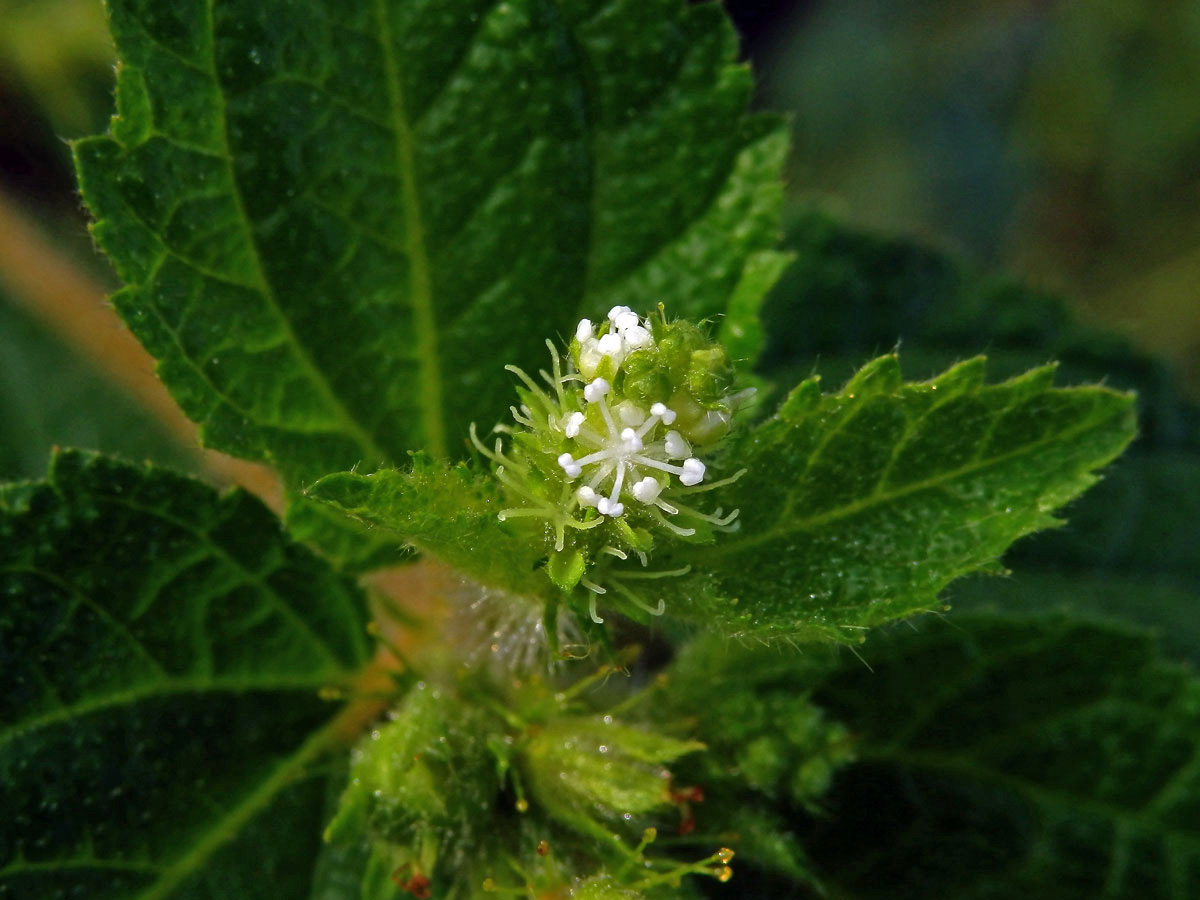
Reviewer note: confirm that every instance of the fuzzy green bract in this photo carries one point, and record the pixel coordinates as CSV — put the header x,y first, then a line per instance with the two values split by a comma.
x,y
336,220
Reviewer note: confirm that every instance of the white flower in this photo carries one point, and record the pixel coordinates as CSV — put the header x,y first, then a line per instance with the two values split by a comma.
x,y
619,455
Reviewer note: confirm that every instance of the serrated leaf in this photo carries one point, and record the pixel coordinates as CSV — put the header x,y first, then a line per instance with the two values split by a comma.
x,y
338,220
1001,757
449,512
163,651
351,544
1129,547
859,507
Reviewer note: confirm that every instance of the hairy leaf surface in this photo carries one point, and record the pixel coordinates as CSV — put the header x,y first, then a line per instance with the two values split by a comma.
x,y
1129,548
449,512
859,507
1006,757
163,650
337,221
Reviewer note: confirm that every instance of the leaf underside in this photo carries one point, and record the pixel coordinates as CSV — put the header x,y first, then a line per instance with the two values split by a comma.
x,y
162,725
337,221
1041,757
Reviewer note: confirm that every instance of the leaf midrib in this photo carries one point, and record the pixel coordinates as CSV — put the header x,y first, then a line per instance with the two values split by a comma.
x,y
420,284
168,687
877,498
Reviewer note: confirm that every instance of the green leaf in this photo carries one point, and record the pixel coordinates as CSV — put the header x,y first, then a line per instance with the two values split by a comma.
x,y
350,543
859,507
163,652
449,512
1129,550
339,220
1002,757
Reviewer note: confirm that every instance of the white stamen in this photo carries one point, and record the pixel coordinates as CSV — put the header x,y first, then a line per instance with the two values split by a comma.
x,y
661,410
636,336
611,345
626,320
633,442
609,508
574,422
693,472
572,468
586,496
596,390
646,490
584,330
676,446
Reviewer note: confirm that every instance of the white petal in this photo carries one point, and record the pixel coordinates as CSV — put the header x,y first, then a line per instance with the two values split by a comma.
x,y
584,330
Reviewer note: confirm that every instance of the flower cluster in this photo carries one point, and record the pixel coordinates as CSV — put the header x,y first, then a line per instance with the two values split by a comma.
x,y
608,451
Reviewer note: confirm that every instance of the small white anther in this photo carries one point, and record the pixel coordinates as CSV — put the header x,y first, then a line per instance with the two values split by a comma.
x,y
646,490
636,336
586,496
617,311
584,330
693,472
611,344
676,446
574,423
567,461
596,390
667,415
631,439
627,319
609,507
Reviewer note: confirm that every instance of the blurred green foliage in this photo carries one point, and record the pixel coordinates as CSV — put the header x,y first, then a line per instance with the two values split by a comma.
x,y
1056,139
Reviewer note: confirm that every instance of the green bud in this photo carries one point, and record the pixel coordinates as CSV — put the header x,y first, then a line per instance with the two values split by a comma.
x,y
418,782
588,770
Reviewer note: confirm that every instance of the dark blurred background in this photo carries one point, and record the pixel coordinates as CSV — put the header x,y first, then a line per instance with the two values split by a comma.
x,y
1057,141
